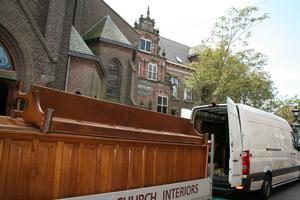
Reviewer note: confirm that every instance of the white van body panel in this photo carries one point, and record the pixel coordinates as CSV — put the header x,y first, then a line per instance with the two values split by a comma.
x,y
235,140
267,137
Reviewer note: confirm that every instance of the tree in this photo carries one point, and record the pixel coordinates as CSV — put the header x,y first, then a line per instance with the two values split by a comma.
x,y
285,106
228,68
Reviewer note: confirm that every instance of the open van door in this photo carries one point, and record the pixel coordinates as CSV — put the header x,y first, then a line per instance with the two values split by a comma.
x,y
235,145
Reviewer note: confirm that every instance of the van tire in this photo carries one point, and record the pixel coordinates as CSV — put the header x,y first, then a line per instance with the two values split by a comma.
x,y
266,187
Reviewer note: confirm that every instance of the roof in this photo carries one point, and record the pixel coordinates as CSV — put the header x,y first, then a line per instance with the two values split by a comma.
x,y
77,44
106,30
175,52
194,51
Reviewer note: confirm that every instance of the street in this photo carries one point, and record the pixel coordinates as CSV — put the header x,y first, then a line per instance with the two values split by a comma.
x,y
286,192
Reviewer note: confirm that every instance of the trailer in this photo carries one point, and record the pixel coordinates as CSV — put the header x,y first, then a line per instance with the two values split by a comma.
x,y
63,145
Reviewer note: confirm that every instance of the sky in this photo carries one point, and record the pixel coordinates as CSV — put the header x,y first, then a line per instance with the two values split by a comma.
x,y
190,21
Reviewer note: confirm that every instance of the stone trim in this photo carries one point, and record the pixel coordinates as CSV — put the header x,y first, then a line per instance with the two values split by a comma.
x,y
37,31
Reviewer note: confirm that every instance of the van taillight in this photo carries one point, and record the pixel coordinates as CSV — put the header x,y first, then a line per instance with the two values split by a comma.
x,y
246,162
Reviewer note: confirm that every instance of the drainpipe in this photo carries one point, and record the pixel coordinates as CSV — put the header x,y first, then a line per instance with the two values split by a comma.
x,y
67,74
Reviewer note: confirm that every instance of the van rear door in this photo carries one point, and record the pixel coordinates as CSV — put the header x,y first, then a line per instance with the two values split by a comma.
x,y
235,146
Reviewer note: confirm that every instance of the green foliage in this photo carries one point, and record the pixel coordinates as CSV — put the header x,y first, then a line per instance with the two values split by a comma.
x,y
227,68
284,108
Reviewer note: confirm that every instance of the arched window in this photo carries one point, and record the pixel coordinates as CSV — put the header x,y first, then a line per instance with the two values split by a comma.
x,y
113,80
5,60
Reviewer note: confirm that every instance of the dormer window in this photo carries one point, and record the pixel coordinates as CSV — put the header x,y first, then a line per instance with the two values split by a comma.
x,y
178,59
145,45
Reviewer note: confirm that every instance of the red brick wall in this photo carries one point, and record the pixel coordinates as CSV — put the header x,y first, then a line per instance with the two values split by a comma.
x,y
84,77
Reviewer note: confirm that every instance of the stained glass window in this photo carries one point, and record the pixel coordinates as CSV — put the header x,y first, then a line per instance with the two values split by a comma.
x,y
113,80
5,62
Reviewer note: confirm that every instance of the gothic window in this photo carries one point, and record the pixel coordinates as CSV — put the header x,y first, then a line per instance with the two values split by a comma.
x,y
162,104
174,84
113,80
5,61
152,71
145,45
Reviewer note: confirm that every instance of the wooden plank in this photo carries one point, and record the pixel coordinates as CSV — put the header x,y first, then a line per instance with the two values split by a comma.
x,y
106,170
4,164
57,168
65,170
121,164
18,170
135,170
149,166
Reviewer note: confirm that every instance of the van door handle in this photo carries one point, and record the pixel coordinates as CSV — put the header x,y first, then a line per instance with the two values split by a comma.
x,y
235,160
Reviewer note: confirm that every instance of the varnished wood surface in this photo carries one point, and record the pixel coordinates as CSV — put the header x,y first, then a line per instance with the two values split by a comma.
x,y
35,165
81,108
93,146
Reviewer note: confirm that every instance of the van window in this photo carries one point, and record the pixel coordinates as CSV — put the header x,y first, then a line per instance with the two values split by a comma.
x,y
294,140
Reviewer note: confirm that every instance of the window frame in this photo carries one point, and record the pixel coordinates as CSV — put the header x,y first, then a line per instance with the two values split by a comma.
x,y
185,92
144,49
177,86
153,72
113,66
162,105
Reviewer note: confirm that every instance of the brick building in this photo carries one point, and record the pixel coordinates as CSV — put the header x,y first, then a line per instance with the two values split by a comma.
x,y
34,45
153,89
111,38
86,47
39,45
178,57
163,70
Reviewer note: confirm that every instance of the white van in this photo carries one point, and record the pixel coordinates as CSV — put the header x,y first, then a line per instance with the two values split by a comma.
x,y
254,149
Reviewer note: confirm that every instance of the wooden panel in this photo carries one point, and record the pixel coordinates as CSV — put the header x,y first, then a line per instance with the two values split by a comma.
x,y
45,162
187,164
3,164
17,180
161,175
121,164
47,166
108,153
178,164
73,171
170,162
87,169
150,166
136,167
66,167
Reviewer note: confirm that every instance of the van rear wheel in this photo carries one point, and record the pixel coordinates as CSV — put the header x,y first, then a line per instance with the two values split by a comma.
x,y
266,187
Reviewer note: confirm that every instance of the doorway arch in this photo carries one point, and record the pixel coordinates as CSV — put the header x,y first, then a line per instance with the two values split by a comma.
x,y
11,70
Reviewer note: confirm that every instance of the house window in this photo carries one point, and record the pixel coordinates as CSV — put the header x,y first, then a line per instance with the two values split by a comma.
x,y
113,80
174,111
5,62
174,85
152,71
162,104
187,95
145,45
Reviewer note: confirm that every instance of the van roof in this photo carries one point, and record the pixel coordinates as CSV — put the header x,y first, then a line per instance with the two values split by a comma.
x,y
221,109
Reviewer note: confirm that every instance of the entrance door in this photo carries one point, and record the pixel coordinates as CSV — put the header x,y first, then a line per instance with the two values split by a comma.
x,y
3,97
8,89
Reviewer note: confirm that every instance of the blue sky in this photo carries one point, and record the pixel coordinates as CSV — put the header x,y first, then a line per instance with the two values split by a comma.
x,y
279,38
190,21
